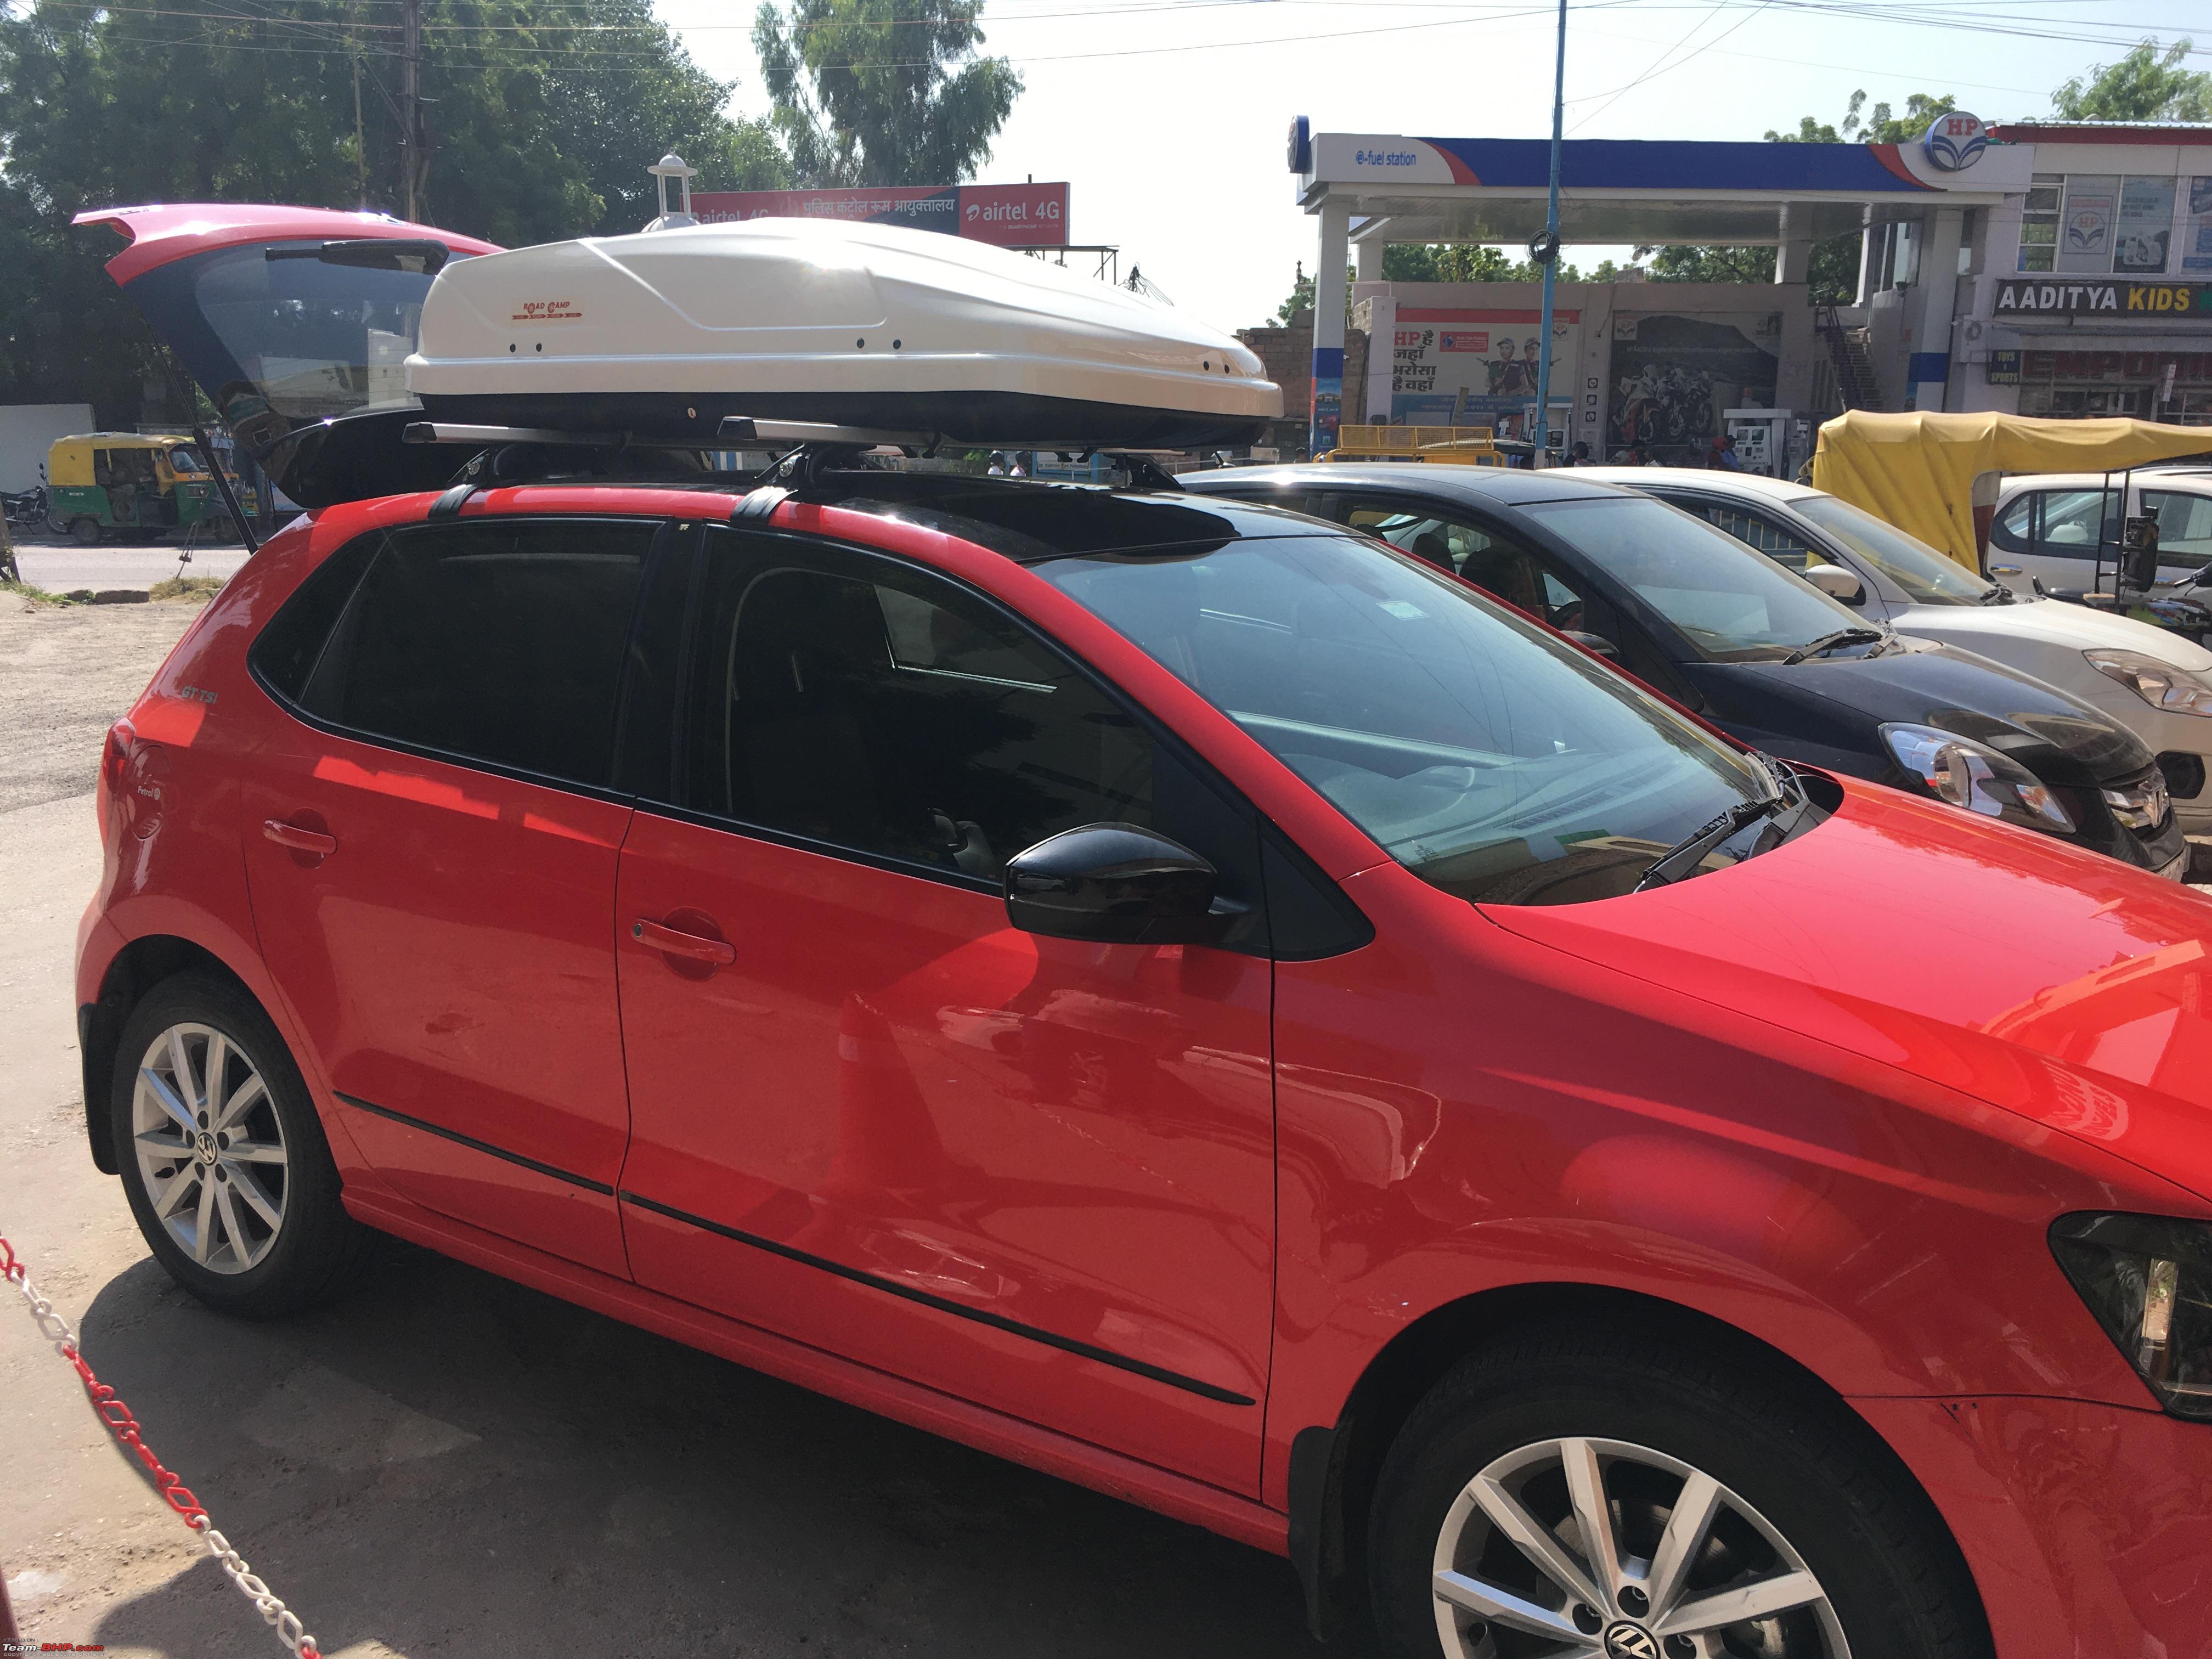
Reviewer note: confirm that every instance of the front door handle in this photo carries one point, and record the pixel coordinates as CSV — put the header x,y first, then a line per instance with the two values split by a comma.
x,y
300,841
697,946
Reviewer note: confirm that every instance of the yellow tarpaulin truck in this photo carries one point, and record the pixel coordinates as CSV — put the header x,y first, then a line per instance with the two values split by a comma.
x,y
1935,476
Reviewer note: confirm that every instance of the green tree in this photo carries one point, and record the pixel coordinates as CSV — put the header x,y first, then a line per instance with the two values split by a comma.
x,y
2146,85
883,91
543,115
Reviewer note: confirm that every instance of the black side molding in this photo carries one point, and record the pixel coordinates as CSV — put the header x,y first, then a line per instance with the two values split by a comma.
x,y
99,1028
1316,1540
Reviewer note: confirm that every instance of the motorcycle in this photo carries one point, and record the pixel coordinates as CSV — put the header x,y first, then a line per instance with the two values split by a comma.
x,y
25,507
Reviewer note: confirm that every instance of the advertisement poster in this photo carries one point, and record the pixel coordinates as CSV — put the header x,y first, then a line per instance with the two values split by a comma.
x,y
2197,230
2085,227
1674,375
2146,223
1454,367
1008,216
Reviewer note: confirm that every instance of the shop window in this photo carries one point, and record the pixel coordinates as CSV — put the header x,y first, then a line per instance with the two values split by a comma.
x,y
2039,222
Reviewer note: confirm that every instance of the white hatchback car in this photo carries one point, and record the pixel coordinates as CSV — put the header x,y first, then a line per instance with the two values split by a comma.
x,y
2063,528
2152,681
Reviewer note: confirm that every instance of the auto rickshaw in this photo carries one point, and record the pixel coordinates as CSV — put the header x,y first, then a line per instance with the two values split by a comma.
x,y
132,487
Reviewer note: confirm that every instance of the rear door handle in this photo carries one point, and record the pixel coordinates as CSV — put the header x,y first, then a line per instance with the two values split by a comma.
x,y
699,948
300,841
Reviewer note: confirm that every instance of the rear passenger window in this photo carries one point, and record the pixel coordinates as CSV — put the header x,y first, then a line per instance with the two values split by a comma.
x,y
494,641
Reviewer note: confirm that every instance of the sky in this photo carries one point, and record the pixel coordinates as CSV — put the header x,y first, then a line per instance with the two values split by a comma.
x,y
1168,118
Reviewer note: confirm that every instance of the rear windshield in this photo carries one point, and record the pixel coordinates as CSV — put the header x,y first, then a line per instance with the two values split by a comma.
x,y
1926,576
292,333
1490,757
1732,604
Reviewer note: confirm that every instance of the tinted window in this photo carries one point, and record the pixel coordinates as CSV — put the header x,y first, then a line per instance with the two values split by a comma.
x,y
1755,531
1729,602
494,640
861,702
2074,524
1489,757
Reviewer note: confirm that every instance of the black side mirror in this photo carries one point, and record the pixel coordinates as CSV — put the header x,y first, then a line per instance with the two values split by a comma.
x,y
1114,884
1598,642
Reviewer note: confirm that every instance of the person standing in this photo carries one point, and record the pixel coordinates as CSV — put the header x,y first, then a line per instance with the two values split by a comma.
x,y
1721,456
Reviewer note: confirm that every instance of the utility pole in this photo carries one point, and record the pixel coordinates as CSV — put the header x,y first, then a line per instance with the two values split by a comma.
x,y
410,101
360,145
1546,250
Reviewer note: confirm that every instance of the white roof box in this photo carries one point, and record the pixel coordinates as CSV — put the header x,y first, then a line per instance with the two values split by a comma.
x,y
802,319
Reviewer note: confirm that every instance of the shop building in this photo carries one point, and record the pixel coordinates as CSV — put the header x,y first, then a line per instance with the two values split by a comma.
x,y
2060,270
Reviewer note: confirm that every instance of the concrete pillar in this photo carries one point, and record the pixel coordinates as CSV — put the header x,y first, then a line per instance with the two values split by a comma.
x,y
1793,261
1928,371
1371,262
1870,241
1327,395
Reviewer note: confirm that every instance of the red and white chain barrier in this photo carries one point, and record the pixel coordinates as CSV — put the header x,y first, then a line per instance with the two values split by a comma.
x,y
116,1415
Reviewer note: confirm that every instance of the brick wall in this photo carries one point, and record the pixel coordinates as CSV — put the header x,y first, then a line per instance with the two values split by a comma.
x,y
1288,354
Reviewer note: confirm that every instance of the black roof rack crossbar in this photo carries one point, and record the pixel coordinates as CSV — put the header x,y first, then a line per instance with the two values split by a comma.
x,y
447,432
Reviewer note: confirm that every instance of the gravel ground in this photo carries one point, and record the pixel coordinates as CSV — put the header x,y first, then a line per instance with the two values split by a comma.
x,y
66,673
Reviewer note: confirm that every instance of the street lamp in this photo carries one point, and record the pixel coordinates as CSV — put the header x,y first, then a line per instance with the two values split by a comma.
x,y
1544,249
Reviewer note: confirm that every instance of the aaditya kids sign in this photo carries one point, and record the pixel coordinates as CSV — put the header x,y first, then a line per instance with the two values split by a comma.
x,y
2027,297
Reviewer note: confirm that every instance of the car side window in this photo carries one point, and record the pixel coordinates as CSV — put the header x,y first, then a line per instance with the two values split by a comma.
x,y
1755,529
850,699
492,640
2012,530
2184,526
2073,524
1497,563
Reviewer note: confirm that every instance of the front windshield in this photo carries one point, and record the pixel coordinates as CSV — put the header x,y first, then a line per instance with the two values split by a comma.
x,y
1926,576
1732,604
1491,758
185,459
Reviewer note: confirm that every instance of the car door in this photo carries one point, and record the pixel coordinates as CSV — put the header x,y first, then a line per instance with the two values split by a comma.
x,y
431,850
870,1115
2185,531
2063,537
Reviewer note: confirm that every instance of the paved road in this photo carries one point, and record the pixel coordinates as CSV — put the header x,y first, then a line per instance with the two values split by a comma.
x,y
447,1463
64,569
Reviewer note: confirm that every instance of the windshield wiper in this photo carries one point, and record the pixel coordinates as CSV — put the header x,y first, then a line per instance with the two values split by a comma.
x,y
1998,594
1686,854
1828,642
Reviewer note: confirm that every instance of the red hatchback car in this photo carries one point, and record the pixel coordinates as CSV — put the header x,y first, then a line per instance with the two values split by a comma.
x,y
1189,998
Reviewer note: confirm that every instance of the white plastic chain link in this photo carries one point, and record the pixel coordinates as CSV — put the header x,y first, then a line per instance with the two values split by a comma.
x,y
117,1416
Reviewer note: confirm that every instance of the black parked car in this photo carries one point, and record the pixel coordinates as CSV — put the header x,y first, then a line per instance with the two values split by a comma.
x,y
1751,647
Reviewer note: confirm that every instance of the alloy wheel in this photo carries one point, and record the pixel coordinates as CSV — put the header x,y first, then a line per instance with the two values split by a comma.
x,y
210,1148
1583,1547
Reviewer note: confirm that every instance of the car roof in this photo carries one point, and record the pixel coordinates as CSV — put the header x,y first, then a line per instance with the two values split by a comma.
x,y
1503,486
2146,478
1700,478
1028,520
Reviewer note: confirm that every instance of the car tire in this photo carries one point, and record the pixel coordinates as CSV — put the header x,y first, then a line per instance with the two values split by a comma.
x,y
236,1194
1795,1486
